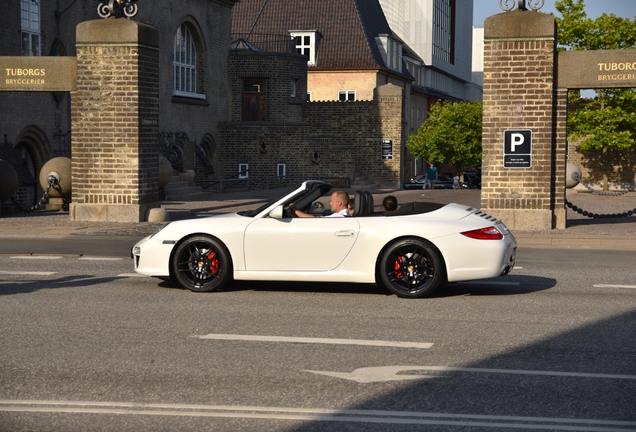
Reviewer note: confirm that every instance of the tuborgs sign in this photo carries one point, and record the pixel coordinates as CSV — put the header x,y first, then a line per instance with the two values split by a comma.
x,y
38,73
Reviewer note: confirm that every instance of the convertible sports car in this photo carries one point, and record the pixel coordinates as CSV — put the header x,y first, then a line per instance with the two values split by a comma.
x,y
410,251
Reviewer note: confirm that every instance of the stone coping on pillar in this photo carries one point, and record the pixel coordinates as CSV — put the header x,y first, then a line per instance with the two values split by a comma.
x,y
112,31
520,24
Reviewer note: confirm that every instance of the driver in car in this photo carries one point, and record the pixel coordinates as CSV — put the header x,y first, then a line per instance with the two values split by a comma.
x,y
338,203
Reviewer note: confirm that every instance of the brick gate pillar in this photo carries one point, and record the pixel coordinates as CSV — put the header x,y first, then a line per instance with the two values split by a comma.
x,y
114,115
527,191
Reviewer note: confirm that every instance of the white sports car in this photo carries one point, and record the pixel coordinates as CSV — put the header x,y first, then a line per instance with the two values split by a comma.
x,y
410,251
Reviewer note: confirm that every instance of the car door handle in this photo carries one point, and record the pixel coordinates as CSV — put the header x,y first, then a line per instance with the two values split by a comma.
x,y
345,233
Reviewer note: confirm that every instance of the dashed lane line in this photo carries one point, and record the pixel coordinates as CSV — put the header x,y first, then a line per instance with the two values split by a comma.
x,y
614,286
27,273
36,257
307,340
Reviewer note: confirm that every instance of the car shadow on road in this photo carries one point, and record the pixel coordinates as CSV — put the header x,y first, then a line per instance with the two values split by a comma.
x,y
27,286
513,285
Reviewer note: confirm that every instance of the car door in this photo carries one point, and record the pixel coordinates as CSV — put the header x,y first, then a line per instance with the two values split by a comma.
x,y
299,244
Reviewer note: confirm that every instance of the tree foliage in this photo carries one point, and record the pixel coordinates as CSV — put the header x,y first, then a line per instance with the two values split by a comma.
x,y
450,134
608,120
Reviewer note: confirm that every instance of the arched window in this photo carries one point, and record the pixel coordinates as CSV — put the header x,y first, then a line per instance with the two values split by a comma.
x,y
186,79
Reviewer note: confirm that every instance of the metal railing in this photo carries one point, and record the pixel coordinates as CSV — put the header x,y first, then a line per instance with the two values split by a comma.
x,y
228,182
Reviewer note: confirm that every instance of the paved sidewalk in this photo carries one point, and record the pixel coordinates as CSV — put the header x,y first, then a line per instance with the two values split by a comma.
x,y
582,232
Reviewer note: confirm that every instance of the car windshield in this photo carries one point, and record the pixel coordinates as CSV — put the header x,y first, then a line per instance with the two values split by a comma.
x,y
303,199
252,213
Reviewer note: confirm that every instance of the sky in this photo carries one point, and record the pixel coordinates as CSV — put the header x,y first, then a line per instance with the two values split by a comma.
x,y
482,9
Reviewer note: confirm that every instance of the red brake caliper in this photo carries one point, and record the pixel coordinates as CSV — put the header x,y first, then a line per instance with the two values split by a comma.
x,y
214,262
398,273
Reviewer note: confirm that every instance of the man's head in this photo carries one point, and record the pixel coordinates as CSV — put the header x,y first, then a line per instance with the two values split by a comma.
x,y
338,201
431,165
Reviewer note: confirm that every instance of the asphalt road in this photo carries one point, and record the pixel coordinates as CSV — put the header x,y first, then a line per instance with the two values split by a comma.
x,y
88,346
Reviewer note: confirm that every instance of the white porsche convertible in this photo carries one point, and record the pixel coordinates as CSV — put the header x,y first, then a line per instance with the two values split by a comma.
x,y
410,251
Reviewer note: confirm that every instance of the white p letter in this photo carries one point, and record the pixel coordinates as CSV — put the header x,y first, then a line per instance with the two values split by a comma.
x,y
517,140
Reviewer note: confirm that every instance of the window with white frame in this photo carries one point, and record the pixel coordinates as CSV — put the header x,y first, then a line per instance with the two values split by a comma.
x,y
346,95
292,87
30,14
185,64
305,44
244,171
308,96
281,170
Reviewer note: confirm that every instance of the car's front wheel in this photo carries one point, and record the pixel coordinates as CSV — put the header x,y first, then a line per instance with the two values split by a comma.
x,y
201,263
411,268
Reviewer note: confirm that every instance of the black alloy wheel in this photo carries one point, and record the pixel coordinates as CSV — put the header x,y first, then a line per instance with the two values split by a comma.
x,y
201,263
411,268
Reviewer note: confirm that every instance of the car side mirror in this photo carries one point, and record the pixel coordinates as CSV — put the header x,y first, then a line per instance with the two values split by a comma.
x,y
277,212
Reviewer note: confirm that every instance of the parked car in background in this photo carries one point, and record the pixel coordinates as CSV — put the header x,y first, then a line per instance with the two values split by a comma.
x,y
443,182
472,180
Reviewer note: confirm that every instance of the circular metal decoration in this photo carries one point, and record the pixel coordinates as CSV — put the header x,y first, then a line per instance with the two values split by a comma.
x,y
117,8
508,5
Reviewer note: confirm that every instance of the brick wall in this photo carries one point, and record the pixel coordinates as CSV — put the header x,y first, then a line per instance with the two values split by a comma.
x,y
115,111
519,93
279,69
347,136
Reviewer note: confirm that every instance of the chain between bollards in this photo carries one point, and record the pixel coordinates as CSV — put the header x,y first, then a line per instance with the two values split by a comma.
x,y
599,216
52,180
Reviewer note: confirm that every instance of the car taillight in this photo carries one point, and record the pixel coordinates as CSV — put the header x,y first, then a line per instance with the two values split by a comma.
x,y
490,233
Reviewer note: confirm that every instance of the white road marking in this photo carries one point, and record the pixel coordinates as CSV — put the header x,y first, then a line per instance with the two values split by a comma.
x,y
100,259
614,286
317,415
36,257
390,373
306,340
131,275
490,283
25,273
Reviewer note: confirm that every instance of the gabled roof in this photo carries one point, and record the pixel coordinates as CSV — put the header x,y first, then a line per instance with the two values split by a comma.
x,y
347,28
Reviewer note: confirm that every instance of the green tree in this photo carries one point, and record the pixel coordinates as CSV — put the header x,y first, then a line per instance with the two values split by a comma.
x,y
608,120
450,134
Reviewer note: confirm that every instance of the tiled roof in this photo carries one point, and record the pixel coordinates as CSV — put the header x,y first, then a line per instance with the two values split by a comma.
x,y
347,28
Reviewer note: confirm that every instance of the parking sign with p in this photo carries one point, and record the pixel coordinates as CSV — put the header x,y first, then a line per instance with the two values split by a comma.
x,y
517,148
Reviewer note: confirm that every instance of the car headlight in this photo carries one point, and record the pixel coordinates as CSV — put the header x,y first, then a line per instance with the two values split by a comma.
x,y
136,250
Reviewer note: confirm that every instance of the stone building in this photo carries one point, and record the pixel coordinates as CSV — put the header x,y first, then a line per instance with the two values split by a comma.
x,y
351,52
194,39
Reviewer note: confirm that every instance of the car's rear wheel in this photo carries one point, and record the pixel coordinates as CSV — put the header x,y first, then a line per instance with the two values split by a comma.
x,y
411,268
201,263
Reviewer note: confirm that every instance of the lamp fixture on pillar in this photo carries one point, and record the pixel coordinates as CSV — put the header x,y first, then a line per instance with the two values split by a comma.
x,y
117,8
508,5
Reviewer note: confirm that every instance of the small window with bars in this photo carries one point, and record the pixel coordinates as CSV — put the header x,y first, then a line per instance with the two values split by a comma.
x,y
244,171
253,86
